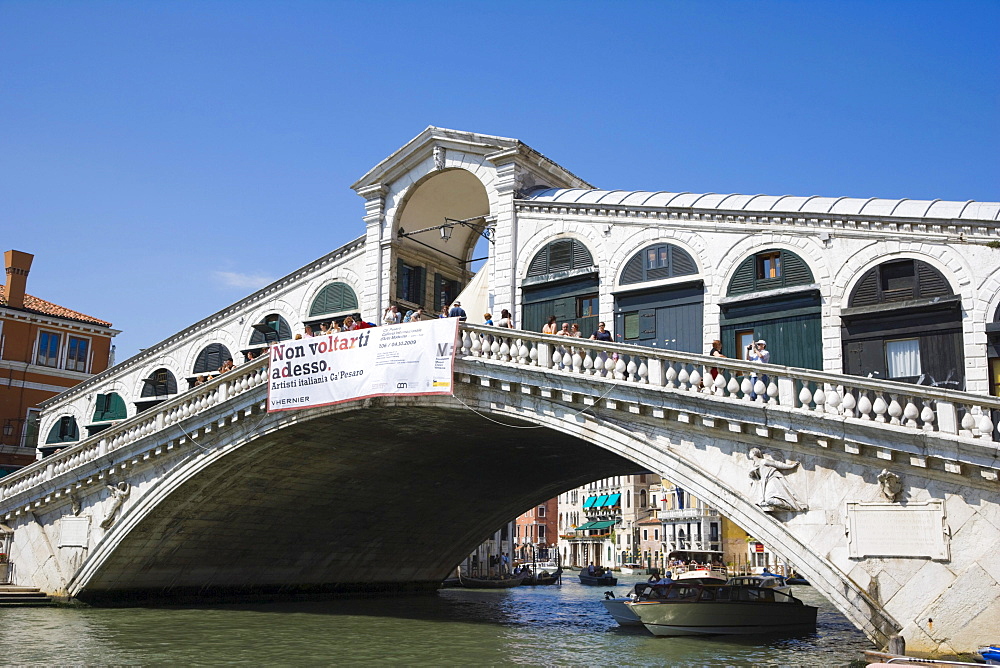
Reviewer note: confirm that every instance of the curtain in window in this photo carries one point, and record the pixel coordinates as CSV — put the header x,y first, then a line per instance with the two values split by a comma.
x,y
903,358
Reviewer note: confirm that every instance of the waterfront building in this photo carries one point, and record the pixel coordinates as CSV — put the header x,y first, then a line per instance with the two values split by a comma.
x,y
45,349
536,532
599,522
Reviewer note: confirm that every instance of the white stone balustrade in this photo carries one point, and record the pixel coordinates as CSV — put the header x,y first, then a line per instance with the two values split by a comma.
x,y
914,407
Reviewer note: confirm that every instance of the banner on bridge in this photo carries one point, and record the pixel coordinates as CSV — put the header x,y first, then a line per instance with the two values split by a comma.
x,y
406,359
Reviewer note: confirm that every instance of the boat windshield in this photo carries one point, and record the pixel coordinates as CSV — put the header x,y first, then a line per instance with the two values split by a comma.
x,y
680,592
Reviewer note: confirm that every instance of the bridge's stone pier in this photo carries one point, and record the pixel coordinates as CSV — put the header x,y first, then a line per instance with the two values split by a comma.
x,y
884,493
210,496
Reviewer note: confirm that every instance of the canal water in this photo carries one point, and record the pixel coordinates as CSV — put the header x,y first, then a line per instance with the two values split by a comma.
x,y
536,626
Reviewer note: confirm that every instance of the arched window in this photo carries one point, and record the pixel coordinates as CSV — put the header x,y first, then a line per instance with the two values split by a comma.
x,y
560,256
769,270
211,358
271,329
628,498
657,262
64,431
334,299
897,281
109,407
642,498
159,385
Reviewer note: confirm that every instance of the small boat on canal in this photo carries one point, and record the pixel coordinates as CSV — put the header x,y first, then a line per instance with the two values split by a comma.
x,y
703,575
600,578
542,578
681,609
632,569
505,582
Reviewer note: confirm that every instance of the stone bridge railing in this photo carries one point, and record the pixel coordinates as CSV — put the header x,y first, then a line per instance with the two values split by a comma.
x,y
118,437
915,408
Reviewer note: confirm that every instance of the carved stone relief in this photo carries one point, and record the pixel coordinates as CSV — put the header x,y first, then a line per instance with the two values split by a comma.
x,y
768,486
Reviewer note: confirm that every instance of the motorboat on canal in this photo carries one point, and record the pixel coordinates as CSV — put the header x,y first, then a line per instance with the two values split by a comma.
x,y
703,575
621,612
681,609
765,580
601,578
631,569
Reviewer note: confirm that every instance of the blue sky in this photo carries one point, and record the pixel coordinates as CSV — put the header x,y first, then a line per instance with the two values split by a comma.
x,y
163,159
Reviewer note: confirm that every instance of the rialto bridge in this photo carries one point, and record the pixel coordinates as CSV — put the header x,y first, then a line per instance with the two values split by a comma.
x,y
882,317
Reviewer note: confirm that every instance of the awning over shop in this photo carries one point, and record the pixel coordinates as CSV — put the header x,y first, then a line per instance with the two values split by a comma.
x,y
589,502
613,500
600,525
601,500
585,526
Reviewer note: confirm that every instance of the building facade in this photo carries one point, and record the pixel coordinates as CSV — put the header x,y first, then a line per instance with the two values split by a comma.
x,y
599,522
536,532
44,349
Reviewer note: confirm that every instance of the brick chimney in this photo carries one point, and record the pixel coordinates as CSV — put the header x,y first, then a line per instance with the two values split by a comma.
x,y
18,264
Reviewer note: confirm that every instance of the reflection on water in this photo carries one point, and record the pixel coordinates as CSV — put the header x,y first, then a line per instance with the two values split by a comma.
x,y
564,625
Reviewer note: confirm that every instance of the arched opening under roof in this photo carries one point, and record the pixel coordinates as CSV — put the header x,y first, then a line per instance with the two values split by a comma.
x,y
440,227
772,297
662,316
562,281
903,322
64,431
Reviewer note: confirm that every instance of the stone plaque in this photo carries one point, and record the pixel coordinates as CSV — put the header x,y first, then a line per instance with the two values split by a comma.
x,y
892,530
74,531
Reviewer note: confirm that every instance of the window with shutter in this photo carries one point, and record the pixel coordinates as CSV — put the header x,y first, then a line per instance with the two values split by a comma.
x,y
897,281
769,270
334,298
560,255
272,329
160,384
658,262
211,358
64,431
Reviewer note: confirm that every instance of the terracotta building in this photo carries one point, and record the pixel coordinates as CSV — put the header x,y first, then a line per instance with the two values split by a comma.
x,y
536,532
44,349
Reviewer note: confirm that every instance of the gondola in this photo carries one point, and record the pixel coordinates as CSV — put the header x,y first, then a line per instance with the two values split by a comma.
x,y
543,578
492,583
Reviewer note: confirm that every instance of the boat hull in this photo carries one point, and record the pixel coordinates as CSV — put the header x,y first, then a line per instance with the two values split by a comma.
x,y
491,583
621,612
598,581
723,618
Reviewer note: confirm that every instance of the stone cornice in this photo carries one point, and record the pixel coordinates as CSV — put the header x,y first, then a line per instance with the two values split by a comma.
x,y
7,313
751,221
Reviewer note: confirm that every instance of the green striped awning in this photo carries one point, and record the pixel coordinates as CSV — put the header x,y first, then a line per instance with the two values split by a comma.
x,y
585,526
601,525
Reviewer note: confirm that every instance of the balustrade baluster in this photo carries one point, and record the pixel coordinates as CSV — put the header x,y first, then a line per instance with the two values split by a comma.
x,y
588,363
819,398
632,369
746,387
504,350
865,406
683,377
671,375
577,361
619,369
695,380
523,354
643,371
805,395
985,425
849,403
895,410
609,367
475,345
833,400
880,407
556,358
927,416
910,414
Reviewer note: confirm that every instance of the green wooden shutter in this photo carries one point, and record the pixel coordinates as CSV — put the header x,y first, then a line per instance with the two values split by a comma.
x,y
743,280
794,270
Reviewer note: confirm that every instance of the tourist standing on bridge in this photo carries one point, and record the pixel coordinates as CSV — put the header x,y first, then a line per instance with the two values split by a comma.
x,y
458,312
390,316
716,351
550,326
757,352
601,334
506,320
444,312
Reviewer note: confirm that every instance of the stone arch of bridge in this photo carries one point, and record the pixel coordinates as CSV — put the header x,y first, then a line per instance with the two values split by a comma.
x,y
366,495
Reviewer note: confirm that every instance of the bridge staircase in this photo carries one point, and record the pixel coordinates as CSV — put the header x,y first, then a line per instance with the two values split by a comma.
x,y
23,597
